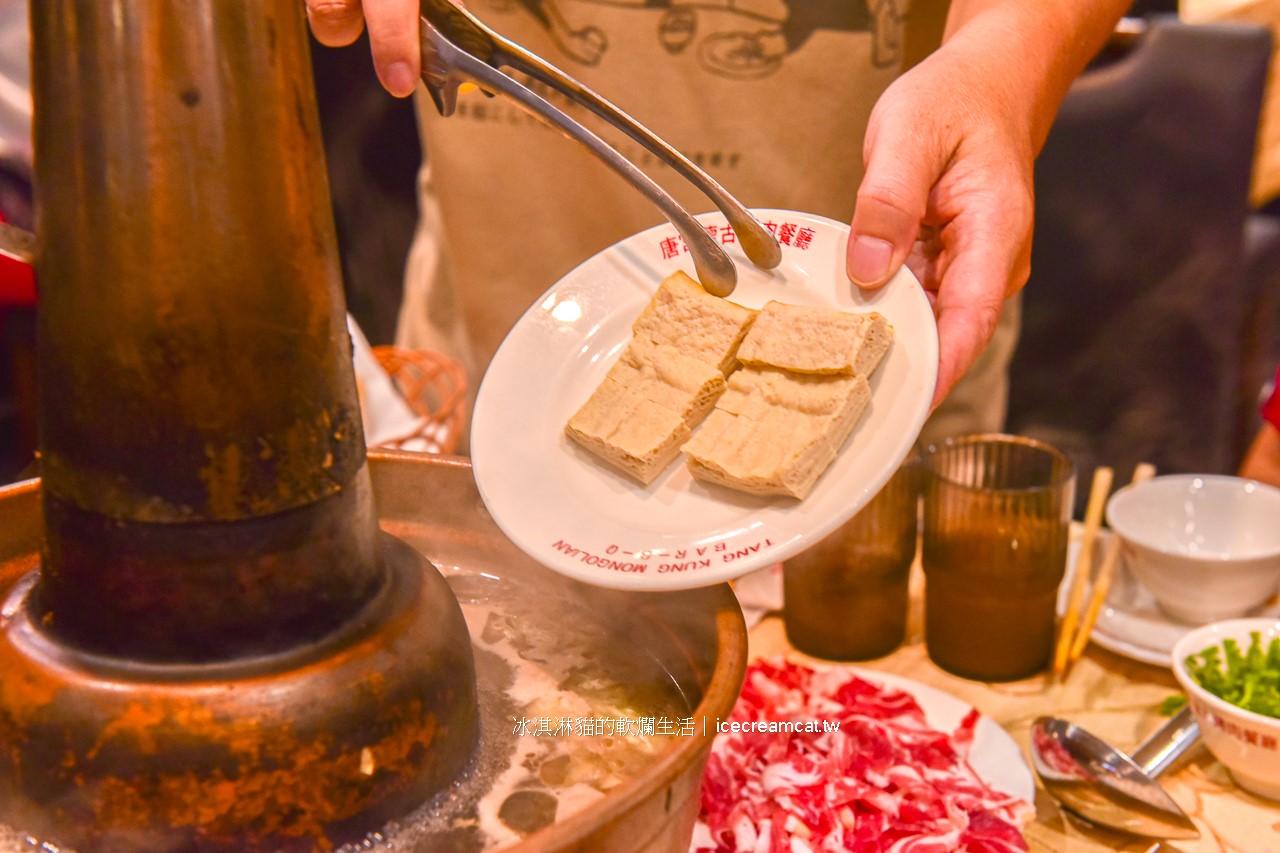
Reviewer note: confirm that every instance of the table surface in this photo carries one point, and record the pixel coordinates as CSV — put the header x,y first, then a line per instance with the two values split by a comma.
x,y
1113,697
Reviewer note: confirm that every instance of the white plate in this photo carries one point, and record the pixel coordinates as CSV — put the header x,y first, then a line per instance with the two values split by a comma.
x,y
1130,623
577,516
994,756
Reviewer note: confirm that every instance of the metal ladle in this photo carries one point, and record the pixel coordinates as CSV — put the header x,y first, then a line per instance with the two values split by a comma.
x,y
1097,782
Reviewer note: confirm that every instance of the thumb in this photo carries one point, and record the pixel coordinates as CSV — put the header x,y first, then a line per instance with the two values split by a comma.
x,y
892,201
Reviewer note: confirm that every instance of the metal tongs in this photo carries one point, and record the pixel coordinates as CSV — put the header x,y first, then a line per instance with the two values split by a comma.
x,y
458,48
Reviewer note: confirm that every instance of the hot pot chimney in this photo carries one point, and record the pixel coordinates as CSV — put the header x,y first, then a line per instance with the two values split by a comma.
x,y
220,650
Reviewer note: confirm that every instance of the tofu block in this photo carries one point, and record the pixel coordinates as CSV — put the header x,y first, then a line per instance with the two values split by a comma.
x,y
665,382
806,339
775,432
797,386
703,326
635,435
666,376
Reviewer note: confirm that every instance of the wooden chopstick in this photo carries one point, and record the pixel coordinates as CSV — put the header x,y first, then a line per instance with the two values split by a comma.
x,y
1098,493
1102,584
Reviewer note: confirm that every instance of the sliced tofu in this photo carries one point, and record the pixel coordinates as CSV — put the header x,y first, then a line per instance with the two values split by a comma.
x,y
805,339
636,435
797,387
774,432
668,377
700,325
664,383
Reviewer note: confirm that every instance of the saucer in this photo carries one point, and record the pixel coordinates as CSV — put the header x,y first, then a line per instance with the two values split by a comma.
x,y
1130,623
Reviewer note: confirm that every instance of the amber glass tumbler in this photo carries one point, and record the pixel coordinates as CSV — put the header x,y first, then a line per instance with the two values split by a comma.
x,y
845,598
997,510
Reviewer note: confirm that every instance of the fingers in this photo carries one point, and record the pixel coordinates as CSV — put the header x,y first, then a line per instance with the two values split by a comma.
x,y
335,23
892,200
968,305
963,332
393,36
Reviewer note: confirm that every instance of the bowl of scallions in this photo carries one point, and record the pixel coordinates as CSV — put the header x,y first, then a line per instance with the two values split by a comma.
x,y
1230,671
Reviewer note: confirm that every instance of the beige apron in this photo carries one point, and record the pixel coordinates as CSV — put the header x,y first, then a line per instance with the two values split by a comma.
x,y
769,96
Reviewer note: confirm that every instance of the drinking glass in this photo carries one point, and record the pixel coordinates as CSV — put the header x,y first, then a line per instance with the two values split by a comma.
x,y
845,598
997,510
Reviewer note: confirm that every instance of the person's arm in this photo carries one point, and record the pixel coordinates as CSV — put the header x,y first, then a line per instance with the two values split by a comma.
x,y
949,153
1262,462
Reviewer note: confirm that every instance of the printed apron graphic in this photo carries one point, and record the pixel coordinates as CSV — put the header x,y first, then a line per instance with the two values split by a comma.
x,y
762,33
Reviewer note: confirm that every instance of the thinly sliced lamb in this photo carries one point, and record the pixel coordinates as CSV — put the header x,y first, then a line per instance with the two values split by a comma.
x,y
884,781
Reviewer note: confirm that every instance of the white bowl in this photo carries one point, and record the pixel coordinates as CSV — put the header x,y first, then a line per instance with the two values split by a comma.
x,y
1206,546
1246,742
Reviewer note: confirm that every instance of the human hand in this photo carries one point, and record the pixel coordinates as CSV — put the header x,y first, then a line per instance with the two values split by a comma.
x,y
948,191
393,36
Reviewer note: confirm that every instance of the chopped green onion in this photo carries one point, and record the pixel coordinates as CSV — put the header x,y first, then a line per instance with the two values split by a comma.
x,y
1248,679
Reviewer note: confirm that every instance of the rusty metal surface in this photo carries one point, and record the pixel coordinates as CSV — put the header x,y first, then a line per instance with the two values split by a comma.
x,y
297,751
431,503
208,591
191,324
211,654
217,650
200,430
